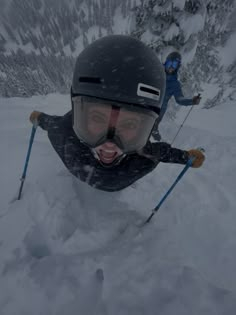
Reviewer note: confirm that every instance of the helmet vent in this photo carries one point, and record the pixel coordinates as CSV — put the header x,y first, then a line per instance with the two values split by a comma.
x,y
148,91
90,80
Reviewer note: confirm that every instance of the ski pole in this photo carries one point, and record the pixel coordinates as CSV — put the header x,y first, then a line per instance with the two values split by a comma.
x,y
182,124
199,95
187,166
34,127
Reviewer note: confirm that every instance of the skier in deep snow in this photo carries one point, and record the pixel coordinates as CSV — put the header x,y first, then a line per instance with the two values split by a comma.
x,y
117,91
173,88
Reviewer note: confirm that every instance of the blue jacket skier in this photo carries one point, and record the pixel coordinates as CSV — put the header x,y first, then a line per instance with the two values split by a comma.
x,y
173,88
117,91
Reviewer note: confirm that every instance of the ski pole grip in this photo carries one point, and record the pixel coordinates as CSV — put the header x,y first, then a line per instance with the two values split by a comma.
x,y
35,123
191,159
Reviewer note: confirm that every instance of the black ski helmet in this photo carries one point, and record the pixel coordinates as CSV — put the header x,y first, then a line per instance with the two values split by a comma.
x,y
120,68
175,55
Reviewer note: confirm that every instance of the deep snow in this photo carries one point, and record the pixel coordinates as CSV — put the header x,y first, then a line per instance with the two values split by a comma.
x,y
69,249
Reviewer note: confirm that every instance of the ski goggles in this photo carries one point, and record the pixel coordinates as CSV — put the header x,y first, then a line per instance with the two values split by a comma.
x,y
172,64
96,121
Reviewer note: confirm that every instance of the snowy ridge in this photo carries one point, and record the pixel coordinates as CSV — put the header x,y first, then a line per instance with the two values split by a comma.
x,y
69,249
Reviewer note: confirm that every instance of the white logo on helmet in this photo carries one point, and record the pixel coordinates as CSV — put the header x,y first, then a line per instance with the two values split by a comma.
x,y
148,91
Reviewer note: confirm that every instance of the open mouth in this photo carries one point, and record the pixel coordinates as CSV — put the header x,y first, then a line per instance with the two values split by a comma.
x,y
107,156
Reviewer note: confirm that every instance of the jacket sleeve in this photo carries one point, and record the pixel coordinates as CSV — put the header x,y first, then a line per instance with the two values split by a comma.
x,y
57,129
163,152
179,97
53,123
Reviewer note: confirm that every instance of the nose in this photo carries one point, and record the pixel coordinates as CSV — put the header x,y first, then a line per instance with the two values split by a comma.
x,y
114,117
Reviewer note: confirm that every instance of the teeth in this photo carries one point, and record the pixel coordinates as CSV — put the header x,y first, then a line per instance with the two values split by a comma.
x,y
109,151
107,155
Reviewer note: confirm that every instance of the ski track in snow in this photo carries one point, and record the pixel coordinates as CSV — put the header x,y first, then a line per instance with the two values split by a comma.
x,y
69,249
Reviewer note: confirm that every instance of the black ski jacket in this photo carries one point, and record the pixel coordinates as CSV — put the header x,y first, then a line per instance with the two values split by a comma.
x,y
81,162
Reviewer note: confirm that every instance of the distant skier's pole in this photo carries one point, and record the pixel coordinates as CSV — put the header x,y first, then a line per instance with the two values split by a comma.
x,y
182,124
34,127
189,163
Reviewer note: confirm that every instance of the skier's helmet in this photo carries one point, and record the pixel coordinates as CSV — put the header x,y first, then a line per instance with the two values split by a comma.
x,y
173,60
121,72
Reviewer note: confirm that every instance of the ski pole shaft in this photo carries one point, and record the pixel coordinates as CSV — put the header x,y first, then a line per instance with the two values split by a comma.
x,y
189,163
182,124
33,130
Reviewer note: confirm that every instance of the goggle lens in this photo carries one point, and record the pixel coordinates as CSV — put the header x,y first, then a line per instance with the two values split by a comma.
x,y
96,121
172,64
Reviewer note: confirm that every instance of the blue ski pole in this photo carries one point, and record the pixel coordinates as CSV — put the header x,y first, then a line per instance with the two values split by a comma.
x,y
34,127
187,166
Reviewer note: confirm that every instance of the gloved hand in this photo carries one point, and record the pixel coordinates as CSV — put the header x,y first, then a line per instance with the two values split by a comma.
x,y
199,157
196,99
34,117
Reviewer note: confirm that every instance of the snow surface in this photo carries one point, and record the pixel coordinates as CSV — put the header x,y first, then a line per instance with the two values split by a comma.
x,y
66,248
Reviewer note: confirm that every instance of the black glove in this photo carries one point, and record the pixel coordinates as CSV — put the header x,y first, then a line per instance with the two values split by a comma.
x,y
196,99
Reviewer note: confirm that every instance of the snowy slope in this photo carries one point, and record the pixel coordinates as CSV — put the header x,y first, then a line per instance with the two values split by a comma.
x,y
66,248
